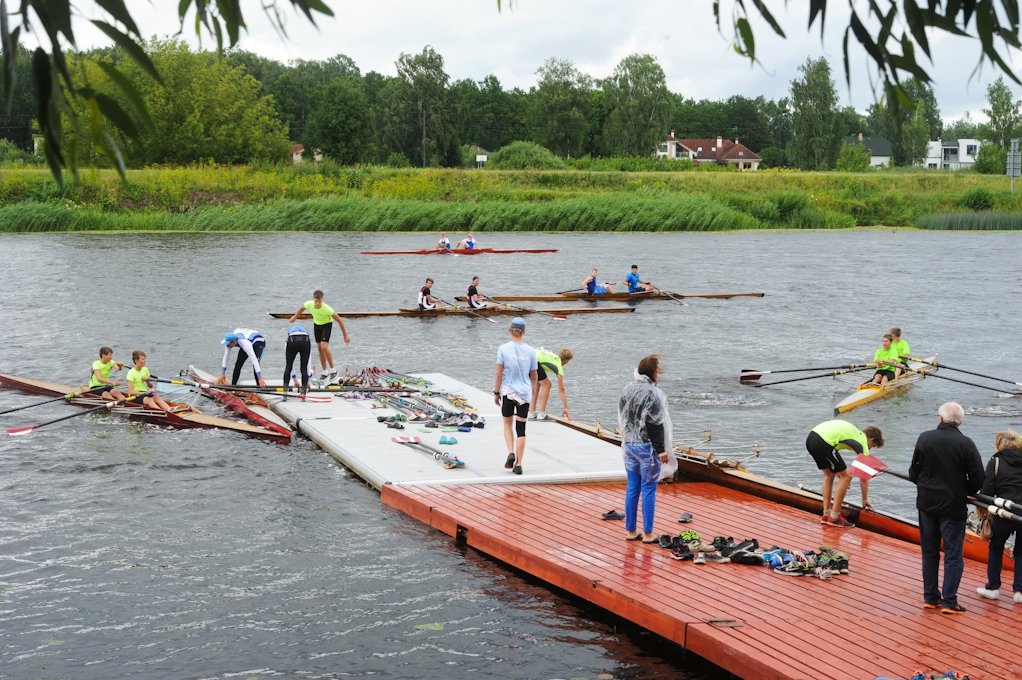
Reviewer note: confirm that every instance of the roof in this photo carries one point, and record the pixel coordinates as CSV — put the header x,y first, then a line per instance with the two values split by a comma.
x,y
705,149
877,146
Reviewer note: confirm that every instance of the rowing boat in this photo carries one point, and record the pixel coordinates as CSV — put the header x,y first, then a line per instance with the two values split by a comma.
x,y
615,297
868,392
707,467
465,311
250,406
460,251
182,416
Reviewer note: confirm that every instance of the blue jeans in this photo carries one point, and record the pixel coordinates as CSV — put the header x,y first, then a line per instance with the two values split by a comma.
x,y
642,467
1003,529
933,528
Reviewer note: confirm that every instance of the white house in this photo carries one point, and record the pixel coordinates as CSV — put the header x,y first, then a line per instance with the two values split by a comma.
x,y
720,151
951,154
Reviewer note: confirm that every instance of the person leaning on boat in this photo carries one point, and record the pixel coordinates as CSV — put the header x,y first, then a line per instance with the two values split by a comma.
x,y
900,347
592,284
140,383
824,443
645,445
946,469
635,284
251,344
1004,480
886,360
100,377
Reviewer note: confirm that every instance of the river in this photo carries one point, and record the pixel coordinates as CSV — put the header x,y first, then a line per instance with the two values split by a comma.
x,y
130,551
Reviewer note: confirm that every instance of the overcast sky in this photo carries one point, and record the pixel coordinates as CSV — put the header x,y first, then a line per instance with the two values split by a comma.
x,y
475,39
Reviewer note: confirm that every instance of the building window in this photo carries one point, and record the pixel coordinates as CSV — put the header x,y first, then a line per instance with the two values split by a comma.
x,y
970,149
931,165
663,148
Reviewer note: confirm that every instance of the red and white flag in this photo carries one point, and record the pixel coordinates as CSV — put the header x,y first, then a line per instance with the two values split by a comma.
x,y
866,467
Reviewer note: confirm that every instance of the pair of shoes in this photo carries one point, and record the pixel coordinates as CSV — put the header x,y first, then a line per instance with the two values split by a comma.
x,y
685,517
699,558
448,440
432,424
721,542
681,551
510,462
636,537
991,594
666,540
395,426
517,469
715,557
839,522
748,545
613,514
953,609
542,416
823,573
652,539
532,415
931,605
1017,597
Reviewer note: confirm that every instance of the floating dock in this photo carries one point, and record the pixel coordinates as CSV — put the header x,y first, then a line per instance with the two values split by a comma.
x,y
748,620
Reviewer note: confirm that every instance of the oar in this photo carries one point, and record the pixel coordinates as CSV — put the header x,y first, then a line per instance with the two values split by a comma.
x,y
283,390
936,364
530,310
573,290
469,310
68,396
446,459
927,374
672,296
29,429
1001,507
750,374
811,377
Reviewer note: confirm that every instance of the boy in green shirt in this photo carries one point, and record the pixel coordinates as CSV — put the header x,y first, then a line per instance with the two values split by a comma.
x,y
101,369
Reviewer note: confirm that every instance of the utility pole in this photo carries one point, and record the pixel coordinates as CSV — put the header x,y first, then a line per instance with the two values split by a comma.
x,y
1013,165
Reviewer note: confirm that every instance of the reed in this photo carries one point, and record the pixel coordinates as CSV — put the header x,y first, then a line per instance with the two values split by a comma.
x,y
972,221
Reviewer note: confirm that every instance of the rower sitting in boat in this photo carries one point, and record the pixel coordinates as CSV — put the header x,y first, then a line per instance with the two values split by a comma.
x,y
252,344
140,382
475,299
467,243
886,360
635,284
901,348
593,287
444,243
427,302
100,378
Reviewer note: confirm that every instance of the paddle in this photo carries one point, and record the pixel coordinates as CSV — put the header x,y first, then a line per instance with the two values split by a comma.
x,y
811,377
530,310
469,310
960,370
927,374
68,396
750,374
573,290
270,390
29,429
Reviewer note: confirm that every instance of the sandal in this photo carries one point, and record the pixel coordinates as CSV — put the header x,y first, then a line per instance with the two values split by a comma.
x,y
613,514
636,537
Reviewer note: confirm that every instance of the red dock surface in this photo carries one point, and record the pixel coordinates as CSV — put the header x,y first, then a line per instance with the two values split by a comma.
x,y
747,620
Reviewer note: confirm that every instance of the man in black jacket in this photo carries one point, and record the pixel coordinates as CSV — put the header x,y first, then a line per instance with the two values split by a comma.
x,y
946,468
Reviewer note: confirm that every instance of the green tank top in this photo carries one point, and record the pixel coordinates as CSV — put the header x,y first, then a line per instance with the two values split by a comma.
x,y
104,371
321,316
836,432
550,362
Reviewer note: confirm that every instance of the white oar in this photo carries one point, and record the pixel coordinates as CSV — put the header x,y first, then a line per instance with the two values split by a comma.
x,y
29,429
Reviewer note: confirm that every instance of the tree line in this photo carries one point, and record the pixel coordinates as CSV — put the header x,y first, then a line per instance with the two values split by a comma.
x,y
240,107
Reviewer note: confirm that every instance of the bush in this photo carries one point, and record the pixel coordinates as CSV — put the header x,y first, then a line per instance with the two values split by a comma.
x,y
976,198
853,158
990,160
789,202
397,160
10,154
524,156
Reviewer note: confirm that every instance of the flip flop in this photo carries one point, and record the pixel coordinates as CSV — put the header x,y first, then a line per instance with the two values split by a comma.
x,y
613,514
685,517
636,537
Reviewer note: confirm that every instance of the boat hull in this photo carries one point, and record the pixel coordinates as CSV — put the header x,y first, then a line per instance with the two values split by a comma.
x,y
615,297
252,407
864,394
186,417
462,311
460,251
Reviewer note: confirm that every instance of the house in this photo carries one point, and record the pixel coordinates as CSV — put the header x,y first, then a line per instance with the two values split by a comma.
x,y
296,154
720,151
951,154
881,153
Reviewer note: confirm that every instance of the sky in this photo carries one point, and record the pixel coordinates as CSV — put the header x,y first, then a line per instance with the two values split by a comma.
x,y
476,39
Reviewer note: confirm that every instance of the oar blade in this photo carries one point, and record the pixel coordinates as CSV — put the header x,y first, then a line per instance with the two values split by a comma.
x,y
315,398
19,431
749,375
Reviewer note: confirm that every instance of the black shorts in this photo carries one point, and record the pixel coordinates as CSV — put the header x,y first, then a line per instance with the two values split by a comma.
x,y
540,374
509,407
825,455
889,374
322,331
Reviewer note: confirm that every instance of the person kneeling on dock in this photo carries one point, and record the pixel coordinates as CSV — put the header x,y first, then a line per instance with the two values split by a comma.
x,y
592,284
550,363
140,383
824,444
515,386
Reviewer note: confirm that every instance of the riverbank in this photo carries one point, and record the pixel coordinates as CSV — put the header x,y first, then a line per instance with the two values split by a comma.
x,y
333,198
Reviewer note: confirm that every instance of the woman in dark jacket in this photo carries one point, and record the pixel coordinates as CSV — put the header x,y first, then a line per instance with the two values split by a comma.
x,y
1004,479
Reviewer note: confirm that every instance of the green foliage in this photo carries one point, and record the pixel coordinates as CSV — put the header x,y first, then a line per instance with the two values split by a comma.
x,y
396,159
639,106
558,108
1004,117
853,158
972,221
816,126
788,203
977,198
990,160
341,125
523,156
772,157
11,155
630,164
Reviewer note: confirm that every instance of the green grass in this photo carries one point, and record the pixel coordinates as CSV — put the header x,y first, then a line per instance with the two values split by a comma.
x,y
972,221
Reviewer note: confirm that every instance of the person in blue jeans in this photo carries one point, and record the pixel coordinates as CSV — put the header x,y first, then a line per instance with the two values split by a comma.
x,y
1004,480
645,441
947,469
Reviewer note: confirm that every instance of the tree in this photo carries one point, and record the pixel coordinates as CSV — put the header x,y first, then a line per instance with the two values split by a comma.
x,y
424,106
990,160
963,128
558,107
295,86
853,158
1004,115
906,126
638,105
744,119
341,124
16,120
816,133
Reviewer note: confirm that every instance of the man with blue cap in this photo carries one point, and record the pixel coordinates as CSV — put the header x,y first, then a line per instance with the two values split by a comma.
x,y
252,344
514,389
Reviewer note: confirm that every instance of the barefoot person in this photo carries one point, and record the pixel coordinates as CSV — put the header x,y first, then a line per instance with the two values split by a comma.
x,y
251,345
551,364
444,243
824,443
467,243
886,360
323,317
140,383
100,378
635,284
593,286
477,300
513,389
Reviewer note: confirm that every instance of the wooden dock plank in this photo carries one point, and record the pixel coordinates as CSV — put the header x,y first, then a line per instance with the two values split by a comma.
x,y
860,625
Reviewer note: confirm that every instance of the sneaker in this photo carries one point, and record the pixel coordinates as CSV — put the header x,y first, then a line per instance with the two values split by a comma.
x,y
716,557
823,573
700,558
1018,597
839,522
953,609
790,569
992,594
931,605
681,551
721,542
517,469
542,416
825,519
510,462
532,415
